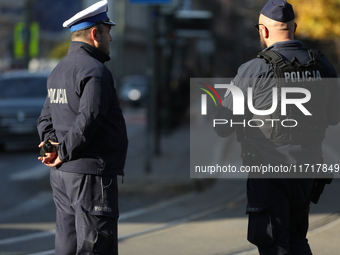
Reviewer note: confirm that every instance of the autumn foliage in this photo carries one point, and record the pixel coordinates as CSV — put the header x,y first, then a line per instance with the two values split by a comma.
x,y
317,19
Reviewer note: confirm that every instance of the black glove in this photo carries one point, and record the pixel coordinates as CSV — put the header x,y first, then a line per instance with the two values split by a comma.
x,y
47,147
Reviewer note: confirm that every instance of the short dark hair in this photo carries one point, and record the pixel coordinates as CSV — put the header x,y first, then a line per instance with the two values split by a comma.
x,y
83,33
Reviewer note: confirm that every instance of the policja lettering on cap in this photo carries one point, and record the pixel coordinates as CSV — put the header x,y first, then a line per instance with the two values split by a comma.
x,y
278,10
89,17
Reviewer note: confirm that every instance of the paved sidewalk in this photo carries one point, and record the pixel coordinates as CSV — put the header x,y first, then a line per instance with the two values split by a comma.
x,y
170,176
169,171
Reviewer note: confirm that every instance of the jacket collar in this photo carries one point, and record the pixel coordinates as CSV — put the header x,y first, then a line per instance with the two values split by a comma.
x,y
285,45
87,49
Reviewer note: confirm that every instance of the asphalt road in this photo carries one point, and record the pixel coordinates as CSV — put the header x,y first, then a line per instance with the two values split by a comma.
x,y
211,222
27,212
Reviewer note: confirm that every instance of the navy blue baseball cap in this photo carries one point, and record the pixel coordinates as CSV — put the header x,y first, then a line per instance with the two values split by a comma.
x,y
278,10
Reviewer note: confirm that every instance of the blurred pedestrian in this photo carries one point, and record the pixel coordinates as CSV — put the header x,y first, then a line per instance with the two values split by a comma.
x,y
83,122
278,205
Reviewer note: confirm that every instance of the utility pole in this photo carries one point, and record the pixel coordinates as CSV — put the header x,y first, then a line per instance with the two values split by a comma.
x,y
156,18
119,29
26,32
152,146
152,138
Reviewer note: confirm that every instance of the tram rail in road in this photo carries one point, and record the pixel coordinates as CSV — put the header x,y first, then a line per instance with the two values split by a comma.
x,y
191,207
222,206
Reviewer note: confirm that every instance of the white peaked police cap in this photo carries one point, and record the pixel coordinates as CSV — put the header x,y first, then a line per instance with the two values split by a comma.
x,y
89,17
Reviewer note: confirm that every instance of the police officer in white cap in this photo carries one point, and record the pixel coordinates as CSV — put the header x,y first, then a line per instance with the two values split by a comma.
x,y
83,125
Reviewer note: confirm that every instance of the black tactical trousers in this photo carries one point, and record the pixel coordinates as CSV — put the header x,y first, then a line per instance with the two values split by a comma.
x,y
278,212
86,213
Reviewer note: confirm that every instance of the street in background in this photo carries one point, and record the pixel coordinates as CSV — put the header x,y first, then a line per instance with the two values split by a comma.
x,y
22,95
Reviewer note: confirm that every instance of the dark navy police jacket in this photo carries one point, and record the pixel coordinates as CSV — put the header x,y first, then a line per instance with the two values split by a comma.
x,y
260,73
82,113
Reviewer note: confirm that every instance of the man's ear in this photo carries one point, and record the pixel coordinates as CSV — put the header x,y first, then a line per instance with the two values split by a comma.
x,y
94,36
93,33
266,32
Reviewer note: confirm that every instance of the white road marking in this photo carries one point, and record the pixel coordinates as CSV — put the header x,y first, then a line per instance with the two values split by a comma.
x,y
194,216
43,253
332,222
34,173
40,200
154,207
27,237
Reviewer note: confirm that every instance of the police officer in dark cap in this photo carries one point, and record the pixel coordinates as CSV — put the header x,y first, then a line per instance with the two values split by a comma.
x,y
84,138
278,203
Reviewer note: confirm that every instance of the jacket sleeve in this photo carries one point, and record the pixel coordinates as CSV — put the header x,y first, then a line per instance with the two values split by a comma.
x,y
333,102
93,106
45,125
224,113
255,74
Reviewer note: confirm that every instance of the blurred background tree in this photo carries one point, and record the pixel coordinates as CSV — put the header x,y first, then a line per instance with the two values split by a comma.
x,y
319,26
60,50
319,19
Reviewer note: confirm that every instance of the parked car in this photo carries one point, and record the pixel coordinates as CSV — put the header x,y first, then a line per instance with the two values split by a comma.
x,y
134,90
22,95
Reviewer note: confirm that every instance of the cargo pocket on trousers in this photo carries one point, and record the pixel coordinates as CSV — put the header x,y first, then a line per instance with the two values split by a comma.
x,y
103,242
260,229
99,228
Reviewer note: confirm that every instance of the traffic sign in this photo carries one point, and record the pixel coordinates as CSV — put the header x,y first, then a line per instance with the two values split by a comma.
x,y
19,39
